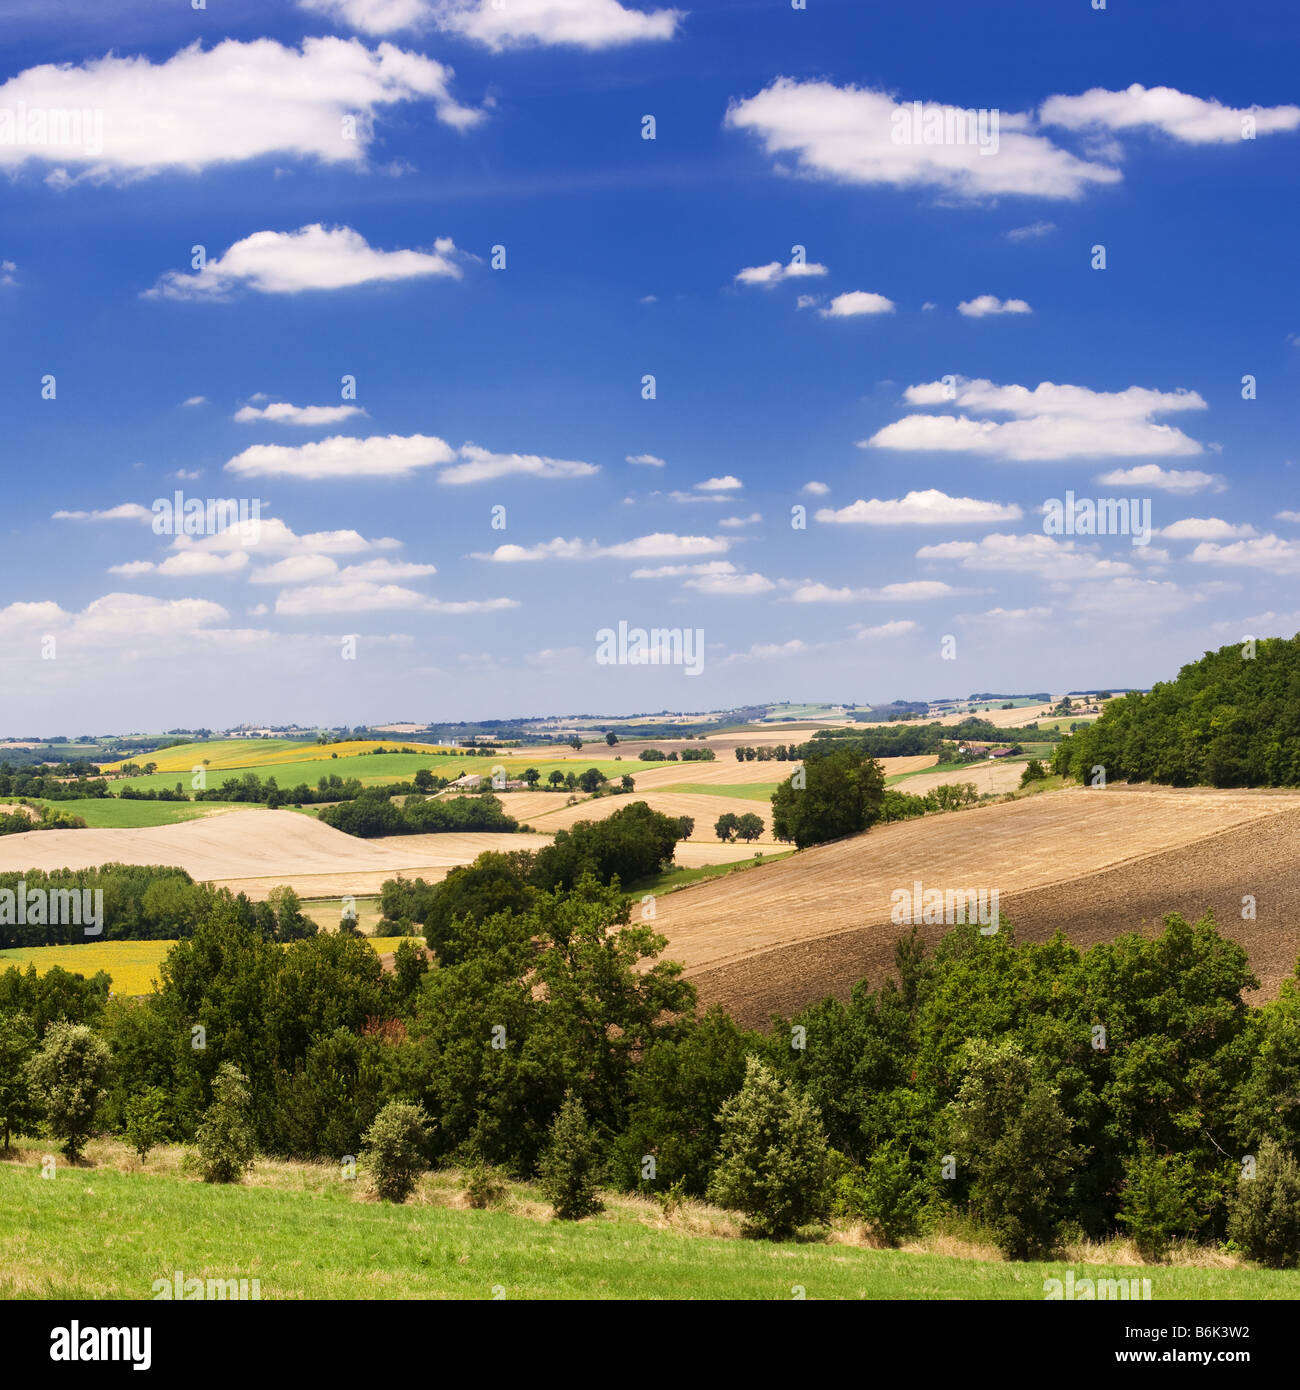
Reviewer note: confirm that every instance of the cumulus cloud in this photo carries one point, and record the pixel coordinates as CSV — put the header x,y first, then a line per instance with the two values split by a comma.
x,y
658,545
898,628
1136,599
227,104
1268,552
706,567
930,507
1193,120
342,456
914,590
125,511
590,24
1031,232
195,400
282,413
855,303
847,134
728,483
366,596
1034,554
1205,528
1051,421
312,258
480,465
775,271
651,460
1151,475
985,304
189,561
734,585
735,522
114,619
815,489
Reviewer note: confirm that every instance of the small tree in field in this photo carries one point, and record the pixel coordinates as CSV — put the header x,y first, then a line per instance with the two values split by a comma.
x,y
146,1120
772,1161
749,826
394,1147
570,1163
1264,1211
67,1076
686,824
1034,772
726,825
225,1139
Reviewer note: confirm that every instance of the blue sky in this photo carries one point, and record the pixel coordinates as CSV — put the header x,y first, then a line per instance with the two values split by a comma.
x,y
366,250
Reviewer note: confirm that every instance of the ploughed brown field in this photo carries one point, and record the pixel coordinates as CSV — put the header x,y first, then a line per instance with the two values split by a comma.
x,y
1093,863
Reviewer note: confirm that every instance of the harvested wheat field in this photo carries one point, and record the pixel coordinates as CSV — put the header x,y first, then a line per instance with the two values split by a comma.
x,y
728,773
704,809
994,776
775,939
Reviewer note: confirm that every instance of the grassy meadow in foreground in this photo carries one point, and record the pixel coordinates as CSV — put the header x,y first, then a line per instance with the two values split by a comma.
x,y
109,1228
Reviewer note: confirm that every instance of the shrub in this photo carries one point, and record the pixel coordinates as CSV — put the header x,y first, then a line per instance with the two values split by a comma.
x,y
570,1164
485,1186
1158,1201
146,1120
394,1147
1034,772
17,1044
884,1192
772,1162
1264,1211
67,1075
225,1138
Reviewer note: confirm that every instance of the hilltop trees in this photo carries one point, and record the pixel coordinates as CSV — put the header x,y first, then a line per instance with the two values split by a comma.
x,y
1231,719
842,794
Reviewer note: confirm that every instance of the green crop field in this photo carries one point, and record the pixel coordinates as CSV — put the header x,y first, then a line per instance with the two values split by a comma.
x,y
111,813
755,791
98,1232
375,768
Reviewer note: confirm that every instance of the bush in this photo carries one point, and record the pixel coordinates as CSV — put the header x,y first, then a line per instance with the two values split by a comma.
x,y
1264,1211
146,1120
394,1148
17,1044
67,1075
1034,772
570,1164
772,1162
885,1192
1158,1201
225,1138
485,1186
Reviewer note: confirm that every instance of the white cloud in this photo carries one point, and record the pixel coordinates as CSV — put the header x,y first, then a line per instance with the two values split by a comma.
x,y
1151,475
856,303
1053,422
195,400
815,489
342,456
188,561
382,569
1193,120
295,569
734,522
1033,554
1264,552
898,628
730,585
282,413
115,619
650,459
365,596
728,483
1205,528
706,567
775,271
126,511
312,258
771,651
590,24
1006,617
847,134
231,103
985,304
930,507
659,545
915,590
1031,232
482,465
1136,599
1286,516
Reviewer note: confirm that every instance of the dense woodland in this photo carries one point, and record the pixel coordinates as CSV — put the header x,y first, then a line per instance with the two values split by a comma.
x,y
1231,719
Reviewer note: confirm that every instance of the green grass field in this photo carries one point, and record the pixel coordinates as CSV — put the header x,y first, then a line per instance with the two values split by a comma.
x,y
373,768
108,812
673,879
755,791
954,768
98,1232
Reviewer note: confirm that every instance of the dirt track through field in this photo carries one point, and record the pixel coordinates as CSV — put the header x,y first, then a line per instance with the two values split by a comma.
x,y
778,938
